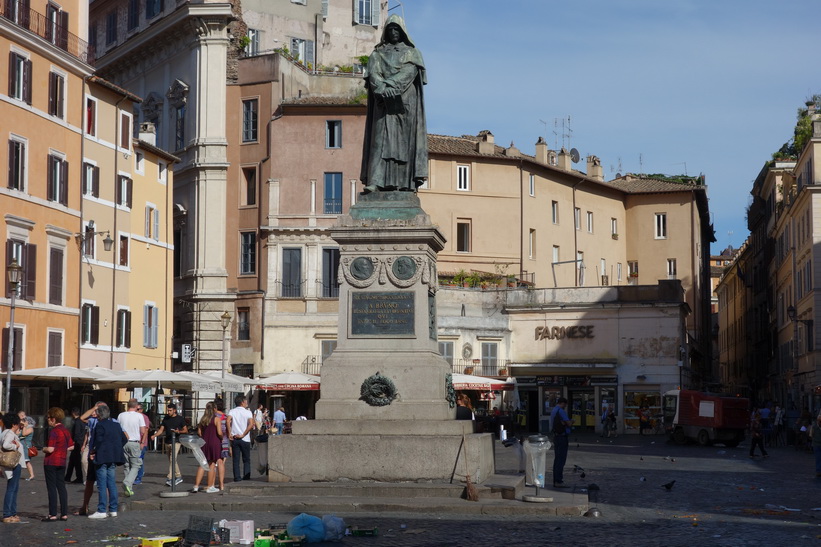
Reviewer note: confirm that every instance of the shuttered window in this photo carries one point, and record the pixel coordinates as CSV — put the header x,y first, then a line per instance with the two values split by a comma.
x,y
57,179
151,319
17,355
91,180
20,70
56,95
55,276
366,12
90,324
17,164
133,14
55,349
123,339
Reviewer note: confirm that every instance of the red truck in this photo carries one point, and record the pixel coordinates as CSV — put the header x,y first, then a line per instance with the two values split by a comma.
x,y
706,418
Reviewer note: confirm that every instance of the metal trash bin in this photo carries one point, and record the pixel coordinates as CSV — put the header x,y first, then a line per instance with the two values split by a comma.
x,y
537,447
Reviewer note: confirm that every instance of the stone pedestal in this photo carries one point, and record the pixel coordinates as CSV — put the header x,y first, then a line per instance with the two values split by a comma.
x,y
383,413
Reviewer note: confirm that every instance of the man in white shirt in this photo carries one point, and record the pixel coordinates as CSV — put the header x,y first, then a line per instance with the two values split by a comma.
x,y
279,420
242,422
133,425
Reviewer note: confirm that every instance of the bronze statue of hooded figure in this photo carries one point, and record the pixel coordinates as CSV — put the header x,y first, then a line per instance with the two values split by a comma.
x,y
395,149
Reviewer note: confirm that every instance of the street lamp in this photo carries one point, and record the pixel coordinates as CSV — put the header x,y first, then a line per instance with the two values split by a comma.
x,y
82,237
225,320
15,272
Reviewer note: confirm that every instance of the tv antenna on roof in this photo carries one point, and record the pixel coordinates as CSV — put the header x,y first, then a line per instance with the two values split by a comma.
x,y
567,132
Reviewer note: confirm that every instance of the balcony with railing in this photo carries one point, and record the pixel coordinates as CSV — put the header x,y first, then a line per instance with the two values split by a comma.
x,y
481,367
53,30
312,364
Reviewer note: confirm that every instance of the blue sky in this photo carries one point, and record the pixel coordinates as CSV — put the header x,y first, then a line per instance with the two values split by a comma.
x,y
650,85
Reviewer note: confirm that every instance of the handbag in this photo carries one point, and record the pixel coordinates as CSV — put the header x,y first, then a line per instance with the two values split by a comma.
x,y
33,451
9,458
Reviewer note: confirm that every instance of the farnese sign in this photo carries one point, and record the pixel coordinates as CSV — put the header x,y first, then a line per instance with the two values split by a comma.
x,y
560,333
382,313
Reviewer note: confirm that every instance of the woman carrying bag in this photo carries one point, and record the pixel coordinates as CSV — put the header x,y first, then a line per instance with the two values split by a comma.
x,y
10,443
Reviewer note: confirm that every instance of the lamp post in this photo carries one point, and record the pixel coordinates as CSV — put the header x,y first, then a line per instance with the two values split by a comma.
x,y
15,271
225,320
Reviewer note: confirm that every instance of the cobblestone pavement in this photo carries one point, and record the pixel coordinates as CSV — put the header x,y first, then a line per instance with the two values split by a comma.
x,y
720,497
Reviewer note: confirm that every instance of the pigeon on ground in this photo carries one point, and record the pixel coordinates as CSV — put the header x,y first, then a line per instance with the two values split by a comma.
x,y
583,475
576,469
669,485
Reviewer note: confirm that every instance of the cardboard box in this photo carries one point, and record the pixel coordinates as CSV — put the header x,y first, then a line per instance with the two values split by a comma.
x,y
242,531
161,541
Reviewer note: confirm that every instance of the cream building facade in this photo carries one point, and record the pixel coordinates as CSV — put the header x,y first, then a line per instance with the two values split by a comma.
x,y
126,291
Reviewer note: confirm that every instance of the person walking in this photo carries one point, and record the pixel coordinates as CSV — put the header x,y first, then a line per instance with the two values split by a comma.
x,y
133,424
815,435
610,422
54,464
757,436
560,425
242,422
143,444
75,459
89,418
27,424
280,419
172,424
10,440
225,428
210,430
107,454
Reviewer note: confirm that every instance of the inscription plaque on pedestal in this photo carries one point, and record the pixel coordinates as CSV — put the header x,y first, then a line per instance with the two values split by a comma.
x,y
382,313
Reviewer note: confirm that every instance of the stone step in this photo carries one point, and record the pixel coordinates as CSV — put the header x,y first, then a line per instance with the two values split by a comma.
x,y
322,505
347,489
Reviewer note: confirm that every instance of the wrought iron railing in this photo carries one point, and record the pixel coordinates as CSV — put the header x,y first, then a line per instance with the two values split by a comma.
x,y
312,364
332,206
480,367
51,31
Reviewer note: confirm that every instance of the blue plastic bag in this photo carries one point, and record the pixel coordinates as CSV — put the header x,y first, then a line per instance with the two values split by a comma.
x,y
309,526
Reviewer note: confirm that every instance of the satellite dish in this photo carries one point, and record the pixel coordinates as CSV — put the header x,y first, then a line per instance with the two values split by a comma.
x,y
618,175
574,155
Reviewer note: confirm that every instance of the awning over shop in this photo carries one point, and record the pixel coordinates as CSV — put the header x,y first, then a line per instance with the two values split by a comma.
x,y
466,382
289,381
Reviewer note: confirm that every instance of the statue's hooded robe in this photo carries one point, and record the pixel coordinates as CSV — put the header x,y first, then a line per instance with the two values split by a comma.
x,y
395,150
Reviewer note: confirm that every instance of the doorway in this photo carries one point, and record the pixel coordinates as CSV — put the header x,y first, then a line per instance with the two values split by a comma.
x,y
582,408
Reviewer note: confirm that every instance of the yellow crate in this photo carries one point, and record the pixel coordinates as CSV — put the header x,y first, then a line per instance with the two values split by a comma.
x,y
160,541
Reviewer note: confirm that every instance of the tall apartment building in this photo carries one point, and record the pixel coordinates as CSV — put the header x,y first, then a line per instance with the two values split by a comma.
x,y
41,105
768,302
182,58
126,283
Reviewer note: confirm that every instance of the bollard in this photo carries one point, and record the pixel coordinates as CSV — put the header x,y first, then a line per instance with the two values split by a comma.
x,y
173,493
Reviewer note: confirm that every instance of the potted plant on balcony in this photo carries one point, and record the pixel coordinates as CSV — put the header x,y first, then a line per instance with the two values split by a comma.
x,y
460,277
472,280
511,281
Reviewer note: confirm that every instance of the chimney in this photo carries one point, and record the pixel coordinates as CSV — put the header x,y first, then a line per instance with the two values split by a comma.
x,y
512,152
564,160
594,169
486,144
148,133
541,150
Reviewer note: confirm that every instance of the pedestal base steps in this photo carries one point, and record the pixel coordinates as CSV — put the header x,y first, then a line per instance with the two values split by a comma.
x,y
381,450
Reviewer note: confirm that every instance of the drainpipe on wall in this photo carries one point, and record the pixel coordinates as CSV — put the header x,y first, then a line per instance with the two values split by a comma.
x,y
116,244
82,203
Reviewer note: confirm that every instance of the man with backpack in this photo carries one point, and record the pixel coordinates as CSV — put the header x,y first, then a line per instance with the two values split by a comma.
x,y
560,426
